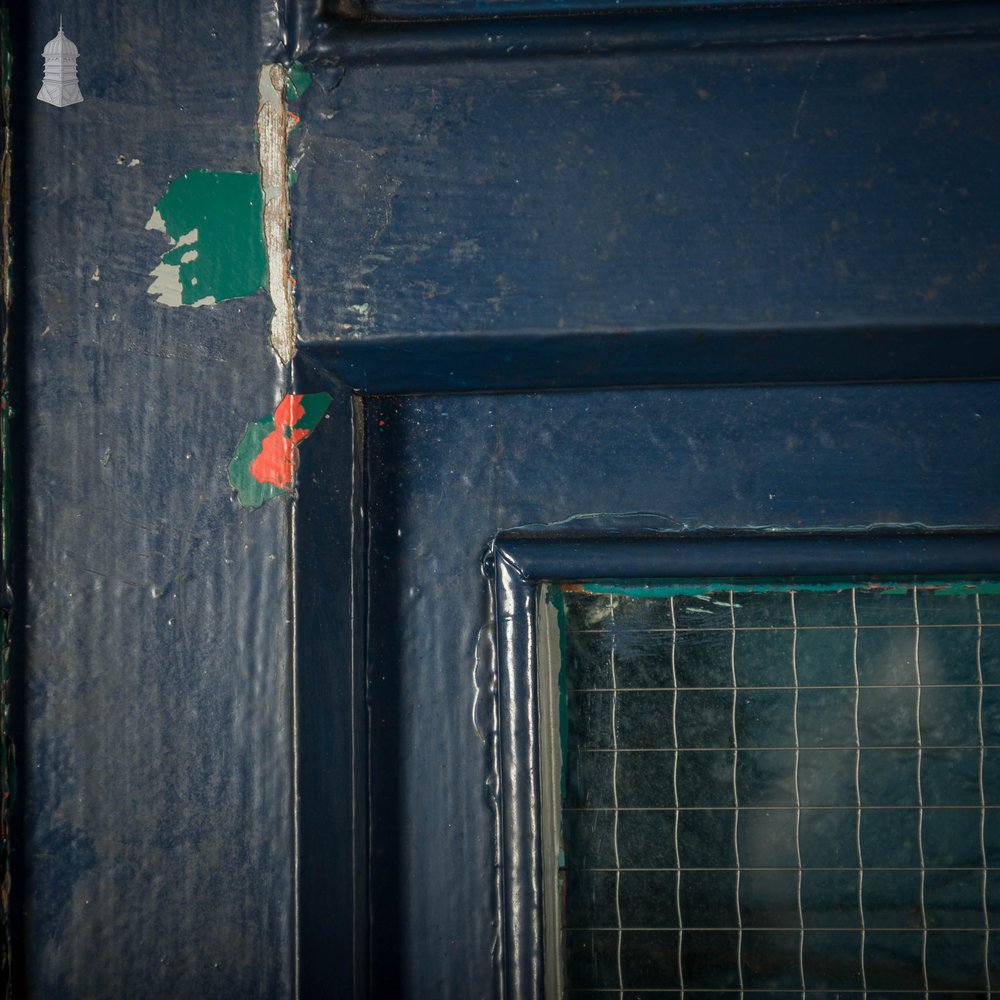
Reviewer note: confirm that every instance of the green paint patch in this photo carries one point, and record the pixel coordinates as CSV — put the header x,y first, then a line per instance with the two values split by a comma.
x,y
299,79
214,222
555,597
267,457
689,588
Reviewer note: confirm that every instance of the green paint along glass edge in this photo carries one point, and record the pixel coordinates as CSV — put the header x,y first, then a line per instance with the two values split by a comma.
x,y
681,588
555,597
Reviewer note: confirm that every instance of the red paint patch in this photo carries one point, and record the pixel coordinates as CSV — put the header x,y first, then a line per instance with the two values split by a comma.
x,y
278,456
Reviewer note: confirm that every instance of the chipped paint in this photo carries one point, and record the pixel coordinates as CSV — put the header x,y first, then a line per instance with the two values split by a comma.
x,y
267,457
272,148
213,221
229,231
298,81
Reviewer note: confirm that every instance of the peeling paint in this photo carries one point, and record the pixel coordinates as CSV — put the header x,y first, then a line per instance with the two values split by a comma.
x,y
217,217
272,147
267,457
236,224
299,79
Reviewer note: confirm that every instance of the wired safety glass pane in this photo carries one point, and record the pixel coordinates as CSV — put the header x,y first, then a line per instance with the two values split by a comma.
x,y
761,789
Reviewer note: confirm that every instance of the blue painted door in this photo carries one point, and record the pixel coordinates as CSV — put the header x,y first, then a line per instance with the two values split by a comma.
x,y
573,274
669,273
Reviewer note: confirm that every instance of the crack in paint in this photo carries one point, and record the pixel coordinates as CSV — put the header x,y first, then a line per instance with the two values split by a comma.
x,y
272,151
229,232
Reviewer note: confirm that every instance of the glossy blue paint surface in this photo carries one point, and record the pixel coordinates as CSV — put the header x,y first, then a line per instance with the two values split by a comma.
x,y
758,190
446,473
431,10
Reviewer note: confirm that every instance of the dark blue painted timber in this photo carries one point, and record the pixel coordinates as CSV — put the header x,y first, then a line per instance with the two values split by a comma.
x,y
257,751
447,473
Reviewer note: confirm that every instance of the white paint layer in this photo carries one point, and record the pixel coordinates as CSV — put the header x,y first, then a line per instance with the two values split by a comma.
x,y
156,222
272,151
166,284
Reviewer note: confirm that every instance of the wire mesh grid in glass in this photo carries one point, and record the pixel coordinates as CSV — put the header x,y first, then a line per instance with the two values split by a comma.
x,y
775,790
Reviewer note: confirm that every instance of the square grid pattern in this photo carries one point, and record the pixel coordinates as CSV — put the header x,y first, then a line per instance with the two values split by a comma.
x,y
781,792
